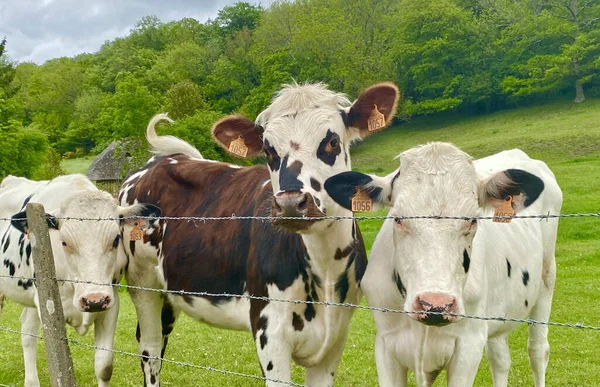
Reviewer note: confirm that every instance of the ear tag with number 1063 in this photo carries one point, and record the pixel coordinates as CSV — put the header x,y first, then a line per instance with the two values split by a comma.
x,y
361,202
238,147
505,209
136,234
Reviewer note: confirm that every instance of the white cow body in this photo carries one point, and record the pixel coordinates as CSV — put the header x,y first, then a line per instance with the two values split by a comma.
x,y
508,270
83,250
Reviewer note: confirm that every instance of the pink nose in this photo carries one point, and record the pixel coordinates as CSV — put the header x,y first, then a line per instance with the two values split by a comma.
x,y
435,309
95,302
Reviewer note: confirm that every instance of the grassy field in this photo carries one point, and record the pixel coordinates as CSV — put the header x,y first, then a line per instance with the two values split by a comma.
x,y
565,135
79,165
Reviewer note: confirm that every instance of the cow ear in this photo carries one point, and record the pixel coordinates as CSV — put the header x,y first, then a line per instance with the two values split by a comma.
x,y
383,97
148,214
523,186
343,186
236,126
19,221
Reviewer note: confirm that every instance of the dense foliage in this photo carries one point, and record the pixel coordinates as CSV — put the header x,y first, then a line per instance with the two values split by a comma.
x,y
447,56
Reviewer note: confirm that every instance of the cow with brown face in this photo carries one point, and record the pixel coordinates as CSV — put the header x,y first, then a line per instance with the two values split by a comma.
x,y
305,134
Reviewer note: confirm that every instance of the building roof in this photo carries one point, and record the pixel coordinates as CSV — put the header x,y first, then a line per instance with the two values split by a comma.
x,y
110,163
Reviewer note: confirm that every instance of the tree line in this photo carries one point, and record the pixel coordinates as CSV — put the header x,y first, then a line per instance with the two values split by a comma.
x,y
455,56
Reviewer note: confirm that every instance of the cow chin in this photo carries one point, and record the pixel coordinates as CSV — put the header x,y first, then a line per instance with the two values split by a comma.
x,y
296,225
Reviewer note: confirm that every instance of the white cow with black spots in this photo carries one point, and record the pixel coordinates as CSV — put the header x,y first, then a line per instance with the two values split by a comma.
x,y
455,267
87,251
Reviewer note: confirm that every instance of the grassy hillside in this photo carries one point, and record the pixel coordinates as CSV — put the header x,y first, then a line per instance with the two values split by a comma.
x,y
565,135
79,165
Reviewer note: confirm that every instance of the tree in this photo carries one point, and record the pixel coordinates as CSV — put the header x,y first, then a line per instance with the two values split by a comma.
x,y
184,99
436,47
563,48
233,18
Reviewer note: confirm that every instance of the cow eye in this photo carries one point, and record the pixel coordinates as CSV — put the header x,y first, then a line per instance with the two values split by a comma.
x,y
334,143
116,241
398,220
64,243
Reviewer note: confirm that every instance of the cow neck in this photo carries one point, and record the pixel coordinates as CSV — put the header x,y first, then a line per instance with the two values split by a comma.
x,y
322,248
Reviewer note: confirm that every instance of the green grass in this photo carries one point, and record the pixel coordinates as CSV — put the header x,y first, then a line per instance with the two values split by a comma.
x,y
565,135
78,165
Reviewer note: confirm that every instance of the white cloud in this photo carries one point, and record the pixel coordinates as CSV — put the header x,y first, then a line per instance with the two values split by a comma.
x,y
38,30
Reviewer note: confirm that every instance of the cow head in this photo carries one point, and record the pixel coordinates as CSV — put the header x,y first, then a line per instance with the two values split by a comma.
x,y
90,247
432,257
306,135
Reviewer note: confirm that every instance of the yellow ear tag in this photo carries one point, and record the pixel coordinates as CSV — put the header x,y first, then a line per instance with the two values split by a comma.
x,y
238,147
361,202
136,234
376,120
504,210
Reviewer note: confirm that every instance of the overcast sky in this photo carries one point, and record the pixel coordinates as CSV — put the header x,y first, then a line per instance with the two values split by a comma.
x,y
38,30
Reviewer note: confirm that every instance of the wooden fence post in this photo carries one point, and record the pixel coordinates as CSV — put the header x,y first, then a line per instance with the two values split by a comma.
x,y
60,363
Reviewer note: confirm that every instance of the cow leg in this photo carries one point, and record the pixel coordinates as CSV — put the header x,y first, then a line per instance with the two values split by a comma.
x,y
148,306
30,325
104,337
274,351
323,374
463,365
538,346
499,356
168,316
389,371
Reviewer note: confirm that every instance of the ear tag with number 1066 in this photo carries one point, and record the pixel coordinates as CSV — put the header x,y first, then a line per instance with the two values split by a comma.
x,y
376,120
505,209
238,147
361,202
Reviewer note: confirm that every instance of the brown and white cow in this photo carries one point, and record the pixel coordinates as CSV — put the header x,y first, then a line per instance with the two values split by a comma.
x,y
305,134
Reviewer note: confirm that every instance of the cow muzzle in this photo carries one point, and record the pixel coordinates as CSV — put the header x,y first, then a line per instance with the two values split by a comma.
x,y
436,309
294,206
95,302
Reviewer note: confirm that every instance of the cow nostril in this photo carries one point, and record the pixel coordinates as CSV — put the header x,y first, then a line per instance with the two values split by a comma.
x,y
425,304
303,203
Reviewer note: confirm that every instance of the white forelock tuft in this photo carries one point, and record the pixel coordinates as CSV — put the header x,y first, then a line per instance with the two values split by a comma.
x,y
293,98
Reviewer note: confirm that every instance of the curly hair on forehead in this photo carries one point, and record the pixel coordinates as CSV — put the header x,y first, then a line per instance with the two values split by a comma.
x,y
293,98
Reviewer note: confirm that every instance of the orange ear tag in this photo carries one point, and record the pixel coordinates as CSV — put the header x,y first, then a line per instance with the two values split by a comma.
x,y
361,202
238,147
376,120
136,234
504,210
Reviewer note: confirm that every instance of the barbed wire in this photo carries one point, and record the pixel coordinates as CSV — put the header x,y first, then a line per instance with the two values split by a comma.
x,y
4,329
184,364
330,217
324,303
137,355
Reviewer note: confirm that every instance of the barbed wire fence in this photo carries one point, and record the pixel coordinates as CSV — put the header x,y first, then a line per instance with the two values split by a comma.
x,y
65,340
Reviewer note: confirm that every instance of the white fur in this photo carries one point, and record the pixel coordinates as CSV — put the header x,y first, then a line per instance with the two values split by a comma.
x,y
439,179
89,256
